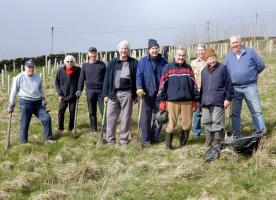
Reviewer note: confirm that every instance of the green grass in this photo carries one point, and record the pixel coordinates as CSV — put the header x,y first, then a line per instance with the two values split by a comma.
x,y
76,169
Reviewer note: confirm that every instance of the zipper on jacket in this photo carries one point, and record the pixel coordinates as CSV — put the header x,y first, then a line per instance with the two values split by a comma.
x,y
208,88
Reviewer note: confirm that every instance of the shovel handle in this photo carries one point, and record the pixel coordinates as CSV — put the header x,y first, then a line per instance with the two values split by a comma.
x,y
7,145
139,114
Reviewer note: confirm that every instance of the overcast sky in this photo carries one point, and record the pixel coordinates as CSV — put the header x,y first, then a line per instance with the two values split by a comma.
x,y
25,25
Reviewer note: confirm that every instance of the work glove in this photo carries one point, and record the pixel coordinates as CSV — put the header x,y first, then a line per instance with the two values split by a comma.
x,y
78,94
162,106
140,92
11,108
105,99
194,106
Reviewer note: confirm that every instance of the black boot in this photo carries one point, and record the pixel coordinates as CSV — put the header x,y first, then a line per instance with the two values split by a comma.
x,y
184,136
169,138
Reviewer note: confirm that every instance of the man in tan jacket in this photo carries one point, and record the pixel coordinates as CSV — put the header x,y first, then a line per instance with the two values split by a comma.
x,y
197,66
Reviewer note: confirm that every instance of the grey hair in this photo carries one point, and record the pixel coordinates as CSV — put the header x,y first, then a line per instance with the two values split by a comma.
x,y
236,36
180,48
202,45
69,58
122,44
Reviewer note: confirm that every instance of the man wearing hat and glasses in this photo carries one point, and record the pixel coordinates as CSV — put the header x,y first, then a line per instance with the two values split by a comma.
x,y
32,101
148,76
66,83
92,73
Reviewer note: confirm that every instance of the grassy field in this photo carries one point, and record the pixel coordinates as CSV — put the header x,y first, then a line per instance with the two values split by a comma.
x,y
75,169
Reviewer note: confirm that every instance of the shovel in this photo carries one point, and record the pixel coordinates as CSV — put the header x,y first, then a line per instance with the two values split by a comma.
x,y
75,119
100,140
229,134
136,139
8,145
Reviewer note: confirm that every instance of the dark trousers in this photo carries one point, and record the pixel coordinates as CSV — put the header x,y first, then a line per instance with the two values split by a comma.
x,y
63,104
28,108
149,127
93,98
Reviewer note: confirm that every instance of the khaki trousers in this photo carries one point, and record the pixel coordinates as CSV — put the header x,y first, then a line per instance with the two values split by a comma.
x,y
185,110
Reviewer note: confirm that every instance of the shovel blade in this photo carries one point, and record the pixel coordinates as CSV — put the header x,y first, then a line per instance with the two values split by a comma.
x,y
137,143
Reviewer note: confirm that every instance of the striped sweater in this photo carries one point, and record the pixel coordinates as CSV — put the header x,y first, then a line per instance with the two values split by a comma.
x,y
177,83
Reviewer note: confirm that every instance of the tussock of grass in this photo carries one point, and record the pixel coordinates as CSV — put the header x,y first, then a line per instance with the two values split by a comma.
x,y
89,170
266,154
4,195
6,166
187,170
22,183
63,173
52,194
230,155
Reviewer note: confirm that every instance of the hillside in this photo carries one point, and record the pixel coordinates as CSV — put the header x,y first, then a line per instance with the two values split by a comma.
x,y
73,168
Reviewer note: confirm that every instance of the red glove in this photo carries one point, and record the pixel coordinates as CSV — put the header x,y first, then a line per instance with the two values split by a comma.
x,y
162,106
194,106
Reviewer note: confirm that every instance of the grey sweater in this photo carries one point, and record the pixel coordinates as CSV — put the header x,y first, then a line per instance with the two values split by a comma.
x,y
27,87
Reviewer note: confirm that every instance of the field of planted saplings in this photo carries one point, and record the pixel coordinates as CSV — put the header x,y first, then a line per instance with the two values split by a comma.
x,y
73,168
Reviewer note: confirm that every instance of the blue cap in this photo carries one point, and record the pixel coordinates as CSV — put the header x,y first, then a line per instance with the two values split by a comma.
x,y
29,63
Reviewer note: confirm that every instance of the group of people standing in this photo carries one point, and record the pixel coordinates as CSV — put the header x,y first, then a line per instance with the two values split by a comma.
x,y
198,94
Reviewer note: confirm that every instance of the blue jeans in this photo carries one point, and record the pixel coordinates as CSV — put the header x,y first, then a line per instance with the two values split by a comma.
x,y
196,120
28,108
148,123
251,96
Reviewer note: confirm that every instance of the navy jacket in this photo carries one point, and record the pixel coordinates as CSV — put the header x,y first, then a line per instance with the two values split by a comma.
x,y
109,86
66,86
216,86
93,76
146,79
177,83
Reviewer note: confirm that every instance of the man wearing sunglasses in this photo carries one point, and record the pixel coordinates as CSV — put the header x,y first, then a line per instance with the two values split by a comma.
x,y
66,83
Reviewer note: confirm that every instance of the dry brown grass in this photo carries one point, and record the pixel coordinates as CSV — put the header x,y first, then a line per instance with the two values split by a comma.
x,y
21,183
89,170
52,194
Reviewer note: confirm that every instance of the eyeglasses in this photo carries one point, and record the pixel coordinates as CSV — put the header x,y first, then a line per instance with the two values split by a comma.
x,y
69,61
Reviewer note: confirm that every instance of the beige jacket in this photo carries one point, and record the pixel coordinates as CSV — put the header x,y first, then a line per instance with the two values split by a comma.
x,y
197,66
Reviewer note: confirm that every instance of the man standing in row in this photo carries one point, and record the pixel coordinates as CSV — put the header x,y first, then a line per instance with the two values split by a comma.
x,y
119,93
92,73
32,101
177,86
197,66
66,83
148,76
244,66
216,94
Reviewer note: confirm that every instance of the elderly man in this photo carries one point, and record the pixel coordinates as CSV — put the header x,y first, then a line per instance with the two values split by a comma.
x,y
216,94
177,86
244,66
148,76
66,83
32,101
119,92
197,66
92,73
